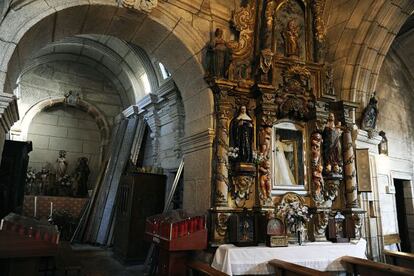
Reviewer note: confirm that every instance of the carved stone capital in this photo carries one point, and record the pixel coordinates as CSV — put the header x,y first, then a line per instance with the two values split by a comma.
x,y
8,111
140,5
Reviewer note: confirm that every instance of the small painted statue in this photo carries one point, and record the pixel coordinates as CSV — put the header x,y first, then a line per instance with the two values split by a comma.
x,y
332,147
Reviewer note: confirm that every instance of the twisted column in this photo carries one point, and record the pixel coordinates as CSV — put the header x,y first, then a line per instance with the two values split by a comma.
x,y
222,147
351,192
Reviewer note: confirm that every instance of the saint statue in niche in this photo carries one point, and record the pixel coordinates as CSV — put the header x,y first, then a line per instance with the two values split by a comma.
x,y
81,177
221,55
291,36
332,149
61,164
369,117
283,167
241,135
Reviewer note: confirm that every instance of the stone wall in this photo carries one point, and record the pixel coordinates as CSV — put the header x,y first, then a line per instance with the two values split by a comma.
x,y
396,118
65,128
55,79
164,114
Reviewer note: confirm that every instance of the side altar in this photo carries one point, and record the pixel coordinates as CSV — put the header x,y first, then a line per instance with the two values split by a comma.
x,y
283,136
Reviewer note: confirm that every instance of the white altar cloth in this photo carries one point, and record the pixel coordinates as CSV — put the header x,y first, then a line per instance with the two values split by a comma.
x,y
324,256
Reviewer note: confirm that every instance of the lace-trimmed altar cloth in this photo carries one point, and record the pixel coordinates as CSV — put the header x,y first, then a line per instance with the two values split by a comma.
x,y
324,256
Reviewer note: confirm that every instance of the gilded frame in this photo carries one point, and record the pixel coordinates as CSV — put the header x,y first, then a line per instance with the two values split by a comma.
x,y
300,159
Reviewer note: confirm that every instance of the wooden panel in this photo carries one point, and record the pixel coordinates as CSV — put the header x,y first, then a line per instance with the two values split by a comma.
x,y
13,169
391,239
199,268
401,259
286,269
139,196
363,170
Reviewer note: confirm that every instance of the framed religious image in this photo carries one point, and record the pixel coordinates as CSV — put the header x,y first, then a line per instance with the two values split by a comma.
x,y
288,156
242,229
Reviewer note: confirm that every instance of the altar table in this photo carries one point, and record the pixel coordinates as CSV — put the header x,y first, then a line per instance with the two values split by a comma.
x,y
324,256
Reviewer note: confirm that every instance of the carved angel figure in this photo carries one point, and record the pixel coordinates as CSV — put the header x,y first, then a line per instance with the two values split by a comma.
x,y
265,183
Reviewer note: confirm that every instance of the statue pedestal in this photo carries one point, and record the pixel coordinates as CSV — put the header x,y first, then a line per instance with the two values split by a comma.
x,y
319,222
353,222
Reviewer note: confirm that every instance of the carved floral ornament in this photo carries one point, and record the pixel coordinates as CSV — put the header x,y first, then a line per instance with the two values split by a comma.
x,y
140,5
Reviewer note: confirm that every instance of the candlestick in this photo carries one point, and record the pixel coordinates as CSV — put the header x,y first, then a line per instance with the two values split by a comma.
x,y
51,209
35,207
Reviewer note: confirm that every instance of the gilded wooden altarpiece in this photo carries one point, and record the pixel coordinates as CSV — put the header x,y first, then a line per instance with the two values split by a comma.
x,y
278,117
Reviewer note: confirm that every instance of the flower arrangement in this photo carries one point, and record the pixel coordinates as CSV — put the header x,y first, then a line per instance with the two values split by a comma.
x,y
233,153
295,214
258,157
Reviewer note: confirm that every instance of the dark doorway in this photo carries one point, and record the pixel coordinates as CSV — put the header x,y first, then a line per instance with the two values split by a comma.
x,y
402,214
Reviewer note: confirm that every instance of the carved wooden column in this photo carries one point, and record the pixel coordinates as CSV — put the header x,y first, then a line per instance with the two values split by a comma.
x,y
351,193
223,110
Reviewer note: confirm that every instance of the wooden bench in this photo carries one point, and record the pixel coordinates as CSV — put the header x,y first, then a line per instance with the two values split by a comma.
x,y
66,260
393,239
402,259
357,266
291,269
196,268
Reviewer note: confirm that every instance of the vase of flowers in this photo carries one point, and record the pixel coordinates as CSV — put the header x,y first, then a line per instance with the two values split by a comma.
x,y
296,215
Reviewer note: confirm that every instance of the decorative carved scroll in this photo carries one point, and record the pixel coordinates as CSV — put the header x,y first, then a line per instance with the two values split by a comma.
x,y
319,29
242,188
242,49
294,98
266,54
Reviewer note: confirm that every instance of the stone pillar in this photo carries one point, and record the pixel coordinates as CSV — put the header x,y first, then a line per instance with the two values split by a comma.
x,y
152,118
351,192
8,116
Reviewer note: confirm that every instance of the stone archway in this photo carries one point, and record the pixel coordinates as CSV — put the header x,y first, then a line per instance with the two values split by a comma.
x,y
161,34
358,41
83,105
